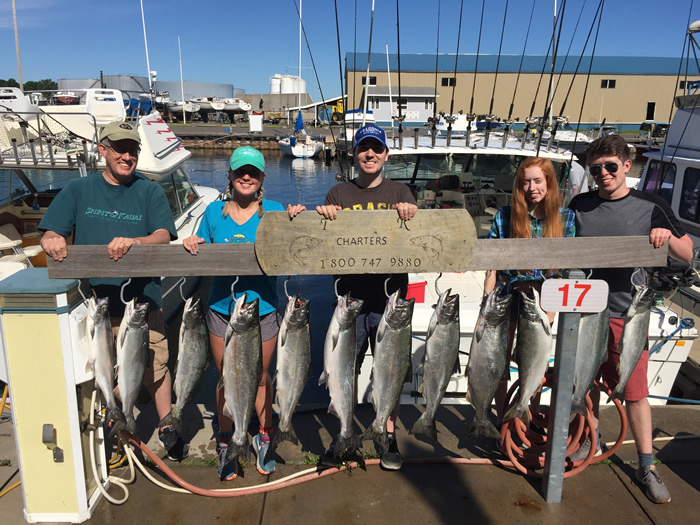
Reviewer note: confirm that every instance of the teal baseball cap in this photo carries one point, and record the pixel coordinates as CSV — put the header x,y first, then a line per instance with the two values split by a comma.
x,y
246,155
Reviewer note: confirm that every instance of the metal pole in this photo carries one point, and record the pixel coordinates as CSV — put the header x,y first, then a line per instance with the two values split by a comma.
x,y
560,404
182,85
19,63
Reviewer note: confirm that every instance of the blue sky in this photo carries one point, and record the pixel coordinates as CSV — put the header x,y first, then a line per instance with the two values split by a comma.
x,y
245,43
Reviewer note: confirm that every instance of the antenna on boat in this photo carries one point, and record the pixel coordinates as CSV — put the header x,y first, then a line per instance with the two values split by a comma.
x,y
369,55
19,63
182,85
399,118
145,41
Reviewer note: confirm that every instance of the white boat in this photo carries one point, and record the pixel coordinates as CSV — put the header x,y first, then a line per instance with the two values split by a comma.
x,y
209,103
480,178
43,148
300,145
236,105
177,106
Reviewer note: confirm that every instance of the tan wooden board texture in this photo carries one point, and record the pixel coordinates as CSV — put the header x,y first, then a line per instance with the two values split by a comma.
x,y
365,242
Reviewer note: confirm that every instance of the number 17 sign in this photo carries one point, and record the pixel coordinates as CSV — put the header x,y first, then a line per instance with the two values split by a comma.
x,y
574,295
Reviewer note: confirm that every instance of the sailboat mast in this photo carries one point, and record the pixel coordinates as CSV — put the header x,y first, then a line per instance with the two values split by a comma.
x,y
182,85
299,82
145,41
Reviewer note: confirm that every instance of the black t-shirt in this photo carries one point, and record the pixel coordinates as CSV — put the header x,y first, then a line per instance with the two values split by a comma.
x,y
637,213
349,196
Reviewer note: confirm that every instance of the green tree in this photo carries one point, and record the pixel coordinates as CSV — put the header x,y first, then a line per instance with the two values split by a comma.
x,y
44,84
10,82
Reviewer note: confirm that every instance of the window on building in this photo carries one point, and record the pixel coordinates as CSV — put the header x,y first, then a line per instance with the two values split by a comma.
x,y
372,81
607,84
428,103
681,84
449,81
373,103
402,102
651,108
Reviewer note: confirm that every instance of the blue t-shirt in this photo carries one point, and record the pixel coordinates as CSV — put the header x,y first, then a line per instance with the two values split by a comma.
x,y
96,212
215,228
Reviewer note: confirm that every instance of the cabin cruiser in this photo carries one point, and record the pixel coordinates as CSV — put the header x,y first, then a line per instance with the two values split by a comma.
x,y
44,148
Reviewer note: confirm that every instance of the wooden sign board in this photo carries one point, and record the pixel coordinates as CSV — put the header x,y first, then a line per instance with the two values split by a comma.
x,y
365,242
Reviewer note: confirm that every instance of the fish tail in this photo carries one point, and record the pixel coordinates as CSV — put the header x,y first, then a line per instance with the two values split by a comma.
x,y
238,451
425,425
523,414
116,417
346,445
284,435
377,434
617,394
483,428
131,424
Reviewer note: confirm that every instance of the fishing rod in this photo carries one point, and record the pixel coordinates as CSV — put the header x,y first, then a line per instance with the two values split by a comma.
x,y
530,121
451,118
369,56
343,174
470,115
509,120
490,117
556,35
560,118
692,44
588,76
400,118
434,119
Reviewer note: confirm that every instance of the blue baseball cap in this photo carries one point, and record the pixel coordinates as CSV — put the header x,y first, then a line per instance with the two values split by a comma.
x,y
245,156
370,131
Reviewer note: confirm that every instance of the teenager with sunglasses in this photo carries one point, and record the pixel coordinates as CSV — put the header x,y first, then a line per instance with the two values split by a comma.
x,y
370,191
236,220
613,209
120,208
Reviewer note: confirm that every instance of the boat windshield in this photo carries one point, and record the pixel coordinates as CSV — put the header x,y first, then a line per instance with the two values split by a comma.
x,y
179,191
16,184
486,169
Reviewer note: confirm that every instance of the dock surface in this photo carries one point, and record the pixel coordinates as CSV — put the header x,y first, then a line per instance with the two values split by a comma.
x,y
424,493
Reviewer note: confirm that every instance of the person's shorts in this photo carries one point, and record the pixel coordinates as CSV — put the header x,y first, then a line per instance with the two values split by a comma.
x,y
157,345
269,324
367,326
637,387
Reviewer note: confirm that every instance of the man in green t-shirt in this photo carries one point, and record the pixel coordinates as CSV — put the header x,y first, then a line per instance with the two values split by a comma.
x,y
121,208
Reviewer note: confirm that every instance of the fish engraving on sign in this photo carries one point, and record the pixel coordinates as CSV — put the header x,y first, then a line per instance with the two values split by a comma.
x,y
300,248
430,244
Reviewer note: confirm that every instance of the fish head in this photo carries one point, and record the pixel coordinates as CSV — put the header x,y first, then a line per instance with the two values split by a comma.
x,y
348,309
496,306
245,314
297,312
192,312
448,307
398,311
530,305
139,312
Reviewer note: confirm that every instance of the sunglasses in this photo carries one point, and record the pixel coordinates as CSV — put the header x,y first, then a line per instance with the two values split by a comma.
x,y
253,172
121,150
610,167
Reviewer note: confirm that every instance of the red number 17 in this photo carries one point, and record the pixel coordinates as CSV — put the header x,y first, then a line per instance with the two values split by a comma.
x,y
565,292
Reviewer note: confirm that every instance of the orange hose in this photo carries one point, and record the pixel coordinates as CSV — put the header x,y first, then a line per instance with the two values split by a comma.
x,y
529,460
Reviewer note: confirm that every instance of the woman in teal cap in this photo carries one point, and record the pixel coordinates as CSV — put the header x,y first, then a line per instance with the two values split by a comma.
x,y
235,220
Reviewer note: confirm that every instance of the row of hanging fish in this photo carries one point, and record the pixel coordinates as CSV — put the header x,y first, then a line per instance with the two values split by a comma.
x,y
131,357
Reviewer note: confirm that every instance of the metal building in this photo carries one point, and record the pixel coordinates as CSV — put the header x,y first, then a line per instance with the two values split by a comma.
x,y
624,91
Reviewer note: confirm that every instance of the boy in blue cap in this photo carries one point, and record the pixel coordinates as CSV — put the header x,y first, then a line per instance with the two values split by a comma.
x,y
370,191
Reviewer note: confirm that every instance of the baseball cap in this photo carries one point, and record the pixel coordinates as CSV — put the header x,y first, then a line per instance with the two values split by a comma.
x,y
118,130
246,155
370,131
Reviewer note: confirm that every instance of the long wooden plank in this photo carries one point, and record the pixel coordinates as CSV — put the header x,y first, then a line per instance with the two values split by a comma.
x,y
366,242
231,259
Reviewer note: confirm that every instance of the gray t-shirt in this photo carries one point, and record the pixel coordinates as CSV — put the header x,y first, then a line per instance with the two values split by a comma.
x,y
637,213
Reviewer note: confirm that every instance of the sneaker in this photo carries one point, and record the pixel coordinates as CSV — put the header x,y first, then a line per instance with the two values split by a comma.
x,y
170,440
227,471
261,445
391,457
654,488
582,453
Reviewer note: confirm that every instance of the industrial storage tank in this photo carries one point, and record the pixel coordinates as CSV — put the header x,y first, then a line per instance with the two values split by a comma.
x,y
288,86
275,84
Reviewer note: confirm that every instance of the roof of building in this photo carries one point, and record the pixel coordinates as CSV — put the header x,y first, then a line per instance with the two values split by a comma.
x,y
619,65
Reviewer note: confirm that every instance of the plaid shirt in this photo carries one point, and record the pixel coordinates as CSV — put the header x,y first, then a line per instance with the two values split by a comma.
x,y
500,229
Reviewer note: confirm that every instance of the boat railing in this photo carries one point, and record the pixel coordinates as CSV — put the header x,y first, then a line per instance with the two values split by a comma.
x,y
37,139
